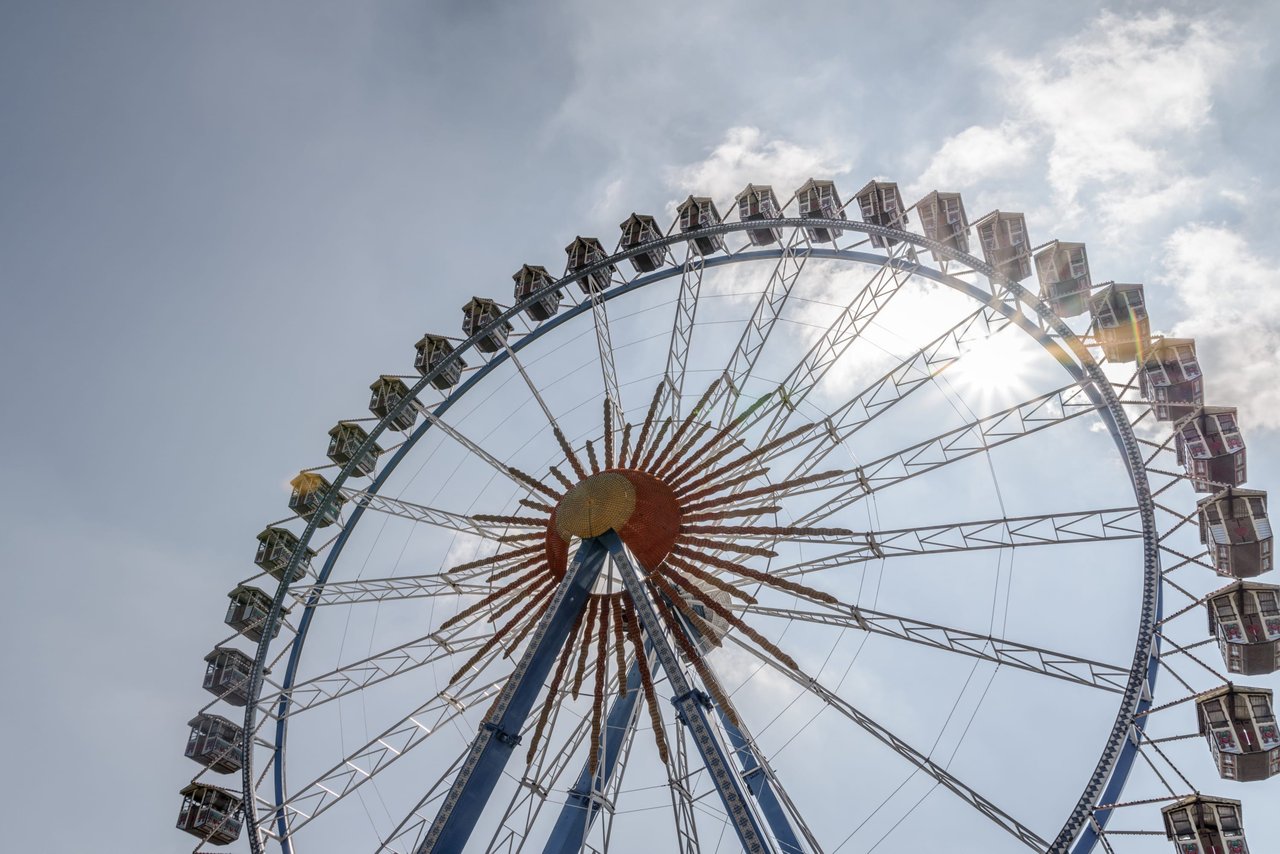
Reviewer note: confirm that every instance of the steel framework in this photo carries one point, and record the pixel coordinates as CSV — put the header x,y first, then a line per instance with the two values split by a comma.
x,y
759,826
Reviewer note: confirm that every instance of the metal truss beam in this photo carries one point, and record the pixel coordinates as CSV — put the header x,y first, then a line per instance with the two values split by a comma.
x,y
743,361
999,817
778,810
681,334
1048,529
424,514
375,756
389,589
589,793
539,780
827,350
608,367
496,464
982,434
1034,659
368,671
680,786
895,386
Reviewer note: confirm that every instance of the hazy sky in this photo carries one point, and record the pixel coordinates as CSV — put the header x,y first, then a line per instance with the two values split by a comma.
x,y
219,221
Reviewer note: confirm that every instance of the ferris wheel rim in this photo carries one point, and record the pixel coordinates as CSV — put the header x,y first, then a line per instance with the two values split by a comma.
x,y
1118,751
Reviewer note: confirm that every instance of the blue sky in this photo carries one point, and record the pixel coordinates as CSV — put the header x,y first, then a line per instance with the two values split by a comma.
x,y
221,221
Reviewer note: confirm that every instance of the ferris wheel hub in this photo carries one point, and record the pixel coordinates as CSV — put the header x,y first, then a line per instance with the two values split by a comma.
x,y
600,503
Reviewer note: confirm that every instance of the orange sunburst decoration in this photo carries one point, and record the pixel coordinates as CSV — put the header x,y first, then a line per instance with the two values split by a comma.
x,y
668,497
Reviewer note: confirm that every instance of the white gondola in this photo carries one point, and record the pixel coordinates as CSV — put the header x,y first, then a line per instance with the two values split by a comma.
x,y
477,314
1005,244
529,280
214,742
1244,617
226,674
1236,531
942,218
758,203
384,393
698,212
275,551
1120,322
582,253
637,230
820,200
248,611
210,813
345,440
1170,378
1239,723
1063,271
432,350
1210,448
881,204
1205,825
307,495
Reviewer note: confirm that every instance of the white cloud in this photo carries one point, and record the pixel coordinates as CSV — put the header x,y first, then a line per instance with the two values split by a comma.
x,y
1117,101
1115,111
1232,297
977,154
746,156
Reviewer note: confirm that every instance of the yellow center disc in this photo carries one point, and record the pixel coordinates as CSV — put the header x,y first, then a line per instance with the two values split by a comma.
x,y
600,502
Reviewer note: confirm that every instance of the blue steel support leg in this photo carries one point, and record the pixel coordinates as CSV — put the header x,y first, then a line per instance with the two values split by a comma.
x,y
758,782
579,811
500,732
753,773
691,709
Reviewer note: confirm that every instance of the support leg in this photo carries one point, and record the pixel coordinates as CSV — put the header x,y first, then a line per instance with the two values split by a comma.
x,y
500,732
691,708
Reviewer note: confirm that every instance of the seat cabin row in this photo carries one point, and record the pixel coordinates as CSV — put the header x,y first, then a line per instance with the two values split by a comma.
x,y
212,813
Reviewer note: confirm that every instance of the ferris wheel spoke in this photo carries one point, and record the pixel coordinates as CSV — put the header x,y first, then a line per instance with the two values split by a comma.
x,y
427,515
743,361
608,364
975,437
1048,529
894,386
390,589
968,794
369,671
380,753
848,326
682,333
1011,653
476,450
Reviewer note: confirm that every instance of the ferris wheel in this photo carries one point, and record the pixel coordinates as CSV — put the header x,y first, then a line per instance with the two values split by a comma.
x,y
779,532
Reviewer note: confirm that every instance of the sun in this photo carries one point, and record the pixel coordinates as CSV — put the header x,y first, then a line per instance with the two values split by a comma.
x,y
996,369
